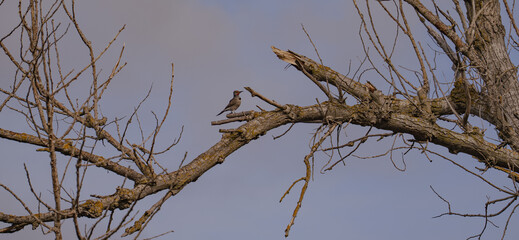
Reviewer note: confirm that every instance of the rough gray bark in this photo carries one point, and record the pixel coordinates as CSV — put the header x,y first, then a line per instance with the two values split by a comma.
x,y
495,67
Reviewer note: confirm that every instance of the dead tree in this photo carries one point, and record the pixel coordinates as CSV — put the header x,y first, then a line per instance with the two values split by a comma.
x,y
414,111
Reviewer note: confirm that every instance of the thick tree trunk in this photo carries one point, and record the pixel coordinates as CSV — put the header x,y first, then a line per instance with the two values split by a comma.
x,y
486,36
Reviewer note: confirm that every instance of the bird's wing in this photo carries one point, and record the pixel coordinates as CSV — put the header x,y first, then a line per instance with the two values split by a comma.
x,y
226,107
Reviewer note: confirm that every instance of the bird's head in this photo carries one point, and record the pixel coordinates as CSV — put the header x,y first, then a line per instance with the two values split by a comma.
x,y
236,93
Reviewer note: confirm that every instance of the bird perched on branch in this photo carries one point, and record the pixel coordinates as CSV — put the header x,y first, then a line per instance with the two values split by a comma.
x,y
234,103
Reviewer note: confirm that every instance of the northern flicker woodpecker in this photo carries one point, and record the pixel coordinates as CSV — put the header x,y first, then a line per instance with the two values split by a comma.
x,y
234,103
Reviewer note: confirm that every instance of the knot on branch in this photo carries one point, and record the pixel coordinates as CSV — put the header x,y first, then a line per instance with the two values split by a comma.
x,y
35,225
123,198
247,134
92,208
91,122
289,111
459,94
476,132
126,197
137,226
368,112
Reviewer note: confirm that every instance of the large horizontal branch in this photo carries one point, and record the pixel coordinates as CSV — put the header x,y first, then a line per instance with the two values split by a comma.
x,y
68,149
360,114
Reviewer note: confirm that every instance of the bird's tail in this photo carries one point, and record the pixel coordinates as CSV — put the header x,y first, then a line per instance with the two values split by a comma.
x,y
220,113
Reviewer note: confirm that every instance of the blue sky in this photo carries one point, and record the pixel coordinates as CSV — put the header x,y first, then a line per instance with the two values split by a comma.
x,y
220,46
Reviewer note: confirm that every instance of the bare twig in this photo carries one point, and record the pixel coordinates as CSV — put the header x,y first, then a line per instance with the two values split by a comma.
x,y
271,102
307,177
